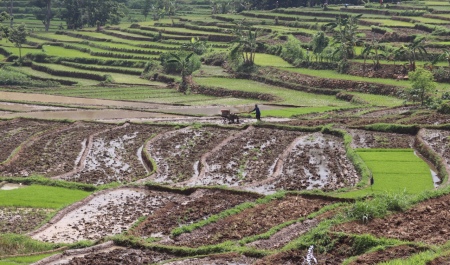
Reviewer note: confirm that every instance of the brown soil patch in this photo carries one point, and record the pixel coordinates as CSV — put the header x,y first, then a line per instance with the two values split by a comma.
x,y
54,153
426,222
249,158
251,221
15,132
107,213
439,261
371,139
116,155
219,259
316,161
199,205
285,235
21,220
177,154
439,141
122,256
387,254
426,118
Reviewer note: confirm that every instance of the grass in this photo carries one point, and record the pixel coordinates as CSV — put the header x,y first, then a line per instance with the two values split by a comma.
x,y
287,96
379,100
291,112
12,244
37,196
24,260
270,60
394,170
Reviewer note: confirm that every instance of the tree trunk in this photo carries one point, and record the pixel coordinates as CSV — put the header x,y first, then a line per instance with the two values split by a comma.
x,y
48,15
11,19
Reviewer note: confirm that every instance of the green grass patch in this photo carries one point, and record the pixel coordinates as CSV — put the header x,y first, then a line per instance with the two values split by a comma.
x,y
13,244
38,196
394,171
291,112
24,260
270,60
288,96
379,100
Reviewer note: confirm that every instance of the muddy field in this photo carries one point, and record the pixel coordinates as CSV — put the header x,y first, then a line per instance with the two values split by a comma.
x,y
426,222
15,132
107,213
251,221
199,205
116,155
54,153
178,154
439,141
21,220
371,139
249,157
315,161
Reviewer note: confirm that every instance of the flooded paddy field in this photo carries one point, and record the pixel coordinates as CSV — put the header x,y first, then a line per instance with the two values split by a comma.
x,y
116,155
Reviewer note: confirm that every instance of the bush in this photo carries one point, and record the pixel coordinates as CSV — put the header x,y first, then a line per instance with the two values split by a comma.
x,y
292,50
175,68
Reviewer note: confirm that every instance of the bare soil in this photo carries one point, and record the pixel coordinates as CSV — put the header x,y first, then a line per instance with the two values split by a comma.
x,y
371,139
122,256
116,155
197,206
427,222
218,259
177,154
15,132
398,252
54,153
316,161
107,213
439,261
248,158
251,221
439,141
21,220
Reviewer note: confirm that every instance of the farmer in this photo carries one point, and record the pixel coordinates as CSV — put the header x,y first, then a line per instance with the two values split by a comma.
x,y
257,112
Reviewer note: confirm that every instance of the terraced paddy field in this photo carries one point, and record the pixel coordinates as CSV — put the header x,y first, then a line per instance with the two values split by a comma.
x,y
105,159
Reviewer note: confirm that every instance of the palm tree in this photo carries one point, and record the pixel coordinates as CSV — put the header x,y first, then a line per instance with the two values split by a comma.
x,y
247,46
417,45
345,35
445,55
184,64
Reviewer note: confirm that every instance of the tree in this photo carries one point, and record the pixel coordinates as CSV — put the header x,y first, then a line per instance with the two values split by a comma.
x,y
187,66
146,8
415,46
196,45
421,85
345,35
246,46
18,36
92,12
444,55
44,13
3,29
319,43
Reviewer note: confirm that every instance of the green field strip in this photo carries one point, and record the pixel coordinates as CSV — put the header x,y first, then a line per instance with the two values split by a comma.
x,y
430,20
335,75
291,112
391,23
33,73
263,59
37,196
410,173
58,37
379,100
287,96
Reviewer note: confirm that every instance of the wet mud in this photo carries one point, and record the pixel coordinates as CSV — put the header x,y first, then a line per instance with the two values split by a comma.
x,y
116,155
178,153
371,139
21,220
248,158
15,132
251,221
427,222
53,153
199,205
108,213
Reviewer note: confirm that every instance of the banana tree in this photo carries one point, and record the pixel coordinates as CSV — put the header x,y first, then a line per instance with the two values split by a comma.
x,y
185,66
414,47
246,45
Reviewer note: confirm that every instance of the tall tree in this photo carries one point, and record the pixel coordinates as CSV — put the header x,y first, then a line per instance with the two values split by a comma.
x,y
246,46
18,36
146,8
3,29
186,67
45,11
319,43
92,12
415,47
421,85
345,35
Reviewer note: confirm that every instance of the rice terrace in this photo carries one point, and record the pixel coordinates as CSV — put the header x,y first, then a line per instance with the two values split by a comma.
x,y
130,132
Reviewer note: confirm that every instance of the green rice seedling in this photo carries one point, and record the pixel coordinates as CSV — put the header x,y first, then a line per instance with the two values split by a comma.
x,y
38,196
13,244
